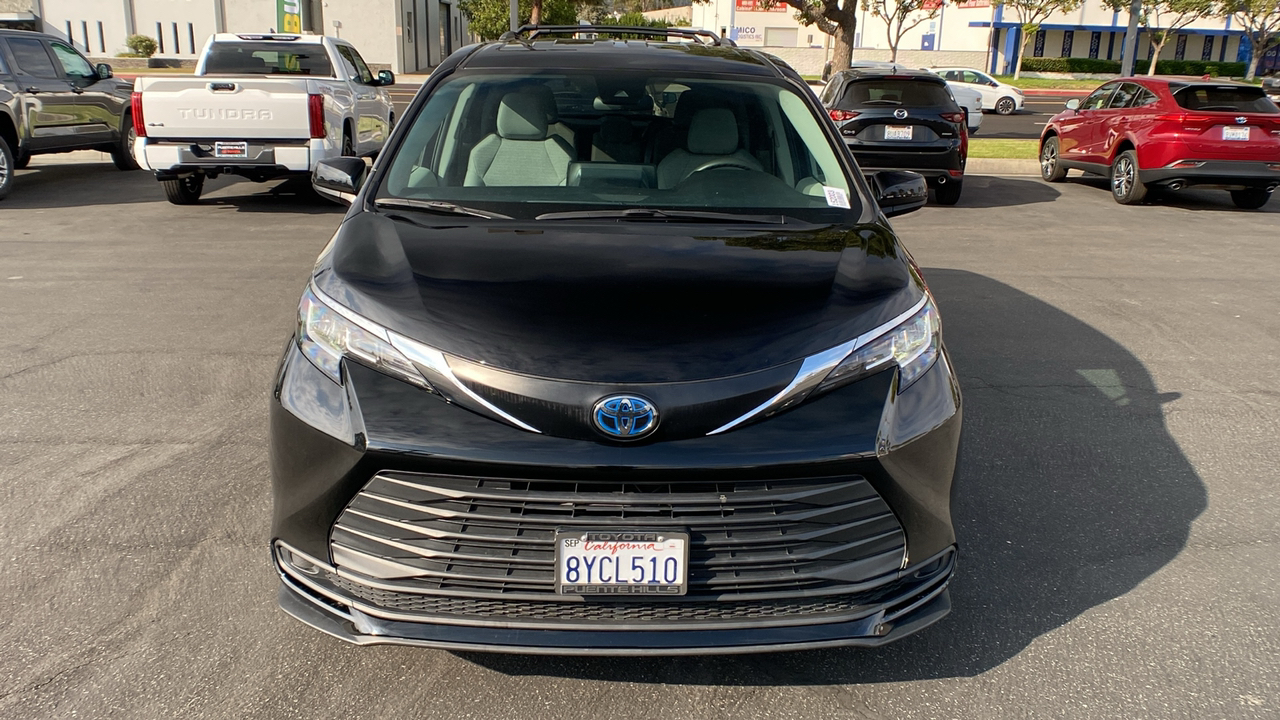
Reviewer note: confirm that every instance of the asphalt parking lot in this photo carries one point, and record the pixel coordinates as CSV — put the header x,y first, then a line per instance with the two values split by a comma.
x,y
1118,509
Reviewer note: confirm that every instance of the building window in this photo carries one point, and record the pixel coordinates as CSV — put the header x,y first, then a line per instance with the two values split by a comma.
x,y
1068,37
1095,44
1206,53
1038,50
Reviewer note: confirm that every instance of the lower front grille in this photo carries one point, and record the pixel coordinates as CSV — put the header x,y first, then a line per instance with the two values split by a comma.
x,y
485,537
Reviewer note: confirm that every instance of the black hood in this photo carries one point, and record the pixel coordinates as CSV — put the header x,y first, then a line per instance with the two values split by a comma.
x,y
619,302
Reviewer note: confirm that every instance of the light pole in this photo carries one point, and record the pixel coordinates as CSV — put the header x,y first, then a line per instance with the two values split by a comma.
x,y
1130,48
515,15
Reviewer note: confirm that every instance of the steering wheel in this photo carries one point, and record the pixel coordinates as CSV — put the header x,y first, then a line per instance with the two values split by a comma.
x,y
716,163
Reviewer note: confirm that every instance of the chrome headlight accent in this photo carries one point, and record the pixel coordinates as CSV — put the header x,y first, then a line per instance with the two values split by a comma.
x,y
900,338
328,332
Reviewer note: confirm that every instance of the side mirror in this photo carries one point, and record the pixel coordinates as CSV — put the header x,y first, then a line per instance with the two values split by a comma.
x,y
104,71
1073,104
386,77
339,179
899,192
993,83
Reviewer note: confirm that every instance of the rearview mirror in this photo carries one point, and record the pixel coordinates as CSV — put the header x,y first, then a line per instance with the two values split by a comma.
x,y
339,179
899,192
386,77
1073,104
104,71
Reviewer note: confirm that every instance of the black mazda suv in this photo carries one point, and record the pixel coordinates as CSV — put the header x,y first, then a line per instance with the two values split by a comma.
x,y
896,118
615,352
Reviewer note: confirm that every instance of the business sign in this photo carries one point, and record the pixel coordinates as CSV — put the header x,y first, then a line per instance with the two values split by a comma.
x,y
972,3
289,16
760,6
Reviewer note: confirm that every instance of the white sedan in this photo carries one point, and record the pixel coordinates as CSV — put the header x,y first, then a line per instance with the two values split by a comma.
x,y
1005,99
971,101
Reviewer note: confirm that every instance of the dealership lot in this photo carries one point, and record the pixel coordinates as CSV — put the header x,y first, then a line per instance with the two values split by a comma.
x,y
1117,507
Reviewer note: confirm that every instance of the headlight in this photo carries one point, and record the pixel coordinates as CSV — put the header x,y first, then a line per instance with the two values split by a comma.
x,y
326,336
912,346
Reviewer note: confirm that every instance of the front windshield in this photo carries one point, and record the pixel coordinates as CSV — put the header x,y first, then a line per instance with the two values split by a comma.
x,y
530,145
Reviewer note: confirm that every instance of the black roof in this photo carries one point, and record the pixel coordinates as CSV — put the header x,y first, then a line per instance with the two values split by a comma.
x,y
894,71
660,56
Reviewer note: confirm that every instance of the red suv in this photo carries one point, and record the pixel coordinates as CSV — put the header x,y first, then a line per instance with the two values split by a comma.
x,y
1169,133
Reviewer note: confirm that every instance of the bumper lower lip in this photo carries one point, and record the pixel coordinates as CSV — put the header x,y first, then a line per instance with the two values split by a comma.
x,y
891,620
1220,173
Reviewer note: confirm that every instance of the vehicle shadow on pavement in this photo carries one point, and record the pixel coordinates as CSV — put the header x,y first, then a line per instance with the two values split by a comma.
x,y
991,191
1188,199
1069,493
79,183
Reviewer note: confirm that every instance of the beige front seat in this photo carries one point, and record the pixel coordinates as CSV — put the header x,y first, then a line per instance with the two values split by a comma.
x,y
713,137
520,153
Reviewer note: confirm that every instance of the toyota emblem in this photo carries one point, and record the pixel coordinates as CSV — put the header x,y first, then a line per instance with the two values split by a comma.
x,y
625,417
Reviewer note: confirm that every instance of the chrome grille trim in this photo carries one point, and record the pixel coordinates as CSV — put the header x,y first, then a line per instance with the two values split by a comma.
x,y
494,537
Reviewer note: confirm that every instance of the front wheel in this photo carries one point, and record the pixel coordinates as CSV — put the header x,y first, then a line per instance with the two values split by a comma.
x,y
184,190
1126,188
1250,198
122,153
949,193
6,168
1050,169
1006,106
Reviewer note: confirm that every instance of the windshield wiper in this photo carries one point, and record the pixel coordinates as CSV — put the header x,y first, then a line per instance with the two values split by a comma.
x,y
655,214
437,206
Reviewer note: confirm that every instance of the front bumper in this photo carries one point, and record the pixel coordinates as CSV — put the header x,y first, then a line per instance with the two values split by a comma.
x,y
330,443
1215,173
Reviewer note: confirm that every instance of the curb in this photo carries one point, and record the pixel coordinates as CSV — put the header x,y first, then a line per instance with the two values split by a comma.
x,y
1001,166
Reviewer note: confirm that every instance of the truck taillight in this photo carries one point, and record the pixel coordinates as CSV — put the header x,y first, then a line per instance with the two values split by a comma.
x,y
139,126
315,107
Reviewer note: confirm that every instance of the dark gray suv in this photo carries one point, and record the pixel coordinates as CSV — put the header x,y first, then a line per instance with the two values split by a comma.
x,y
53,100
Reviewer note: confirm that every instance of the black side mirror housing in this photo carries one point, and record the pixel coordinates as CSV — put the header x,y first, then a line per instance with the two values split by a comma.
x,y
386,77
899,192
339,179
1073,104
104,71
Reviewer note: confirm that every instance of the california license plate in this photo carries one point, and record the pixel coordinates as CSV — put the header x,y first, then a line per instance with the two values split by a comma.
x,y
1235,133
230,149
898,132
606,562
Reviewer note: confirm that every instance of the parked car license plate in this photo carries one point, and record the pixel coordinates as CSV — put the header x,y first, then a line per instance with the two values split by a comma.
x,y
1235,133
605,562
898,132
230,149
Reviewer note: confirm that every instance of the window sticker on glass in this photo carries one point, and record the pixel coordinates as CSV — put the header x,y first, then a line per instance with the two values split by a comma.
x,y
836,197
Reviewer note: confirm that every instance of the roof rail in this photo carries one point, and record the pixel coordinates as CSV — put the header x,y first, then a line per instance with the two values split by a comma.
x,y
705,36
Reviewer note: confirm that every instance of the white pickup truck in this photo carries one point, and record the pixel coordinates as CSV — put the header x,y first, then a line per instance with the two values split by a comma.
x,y
262,107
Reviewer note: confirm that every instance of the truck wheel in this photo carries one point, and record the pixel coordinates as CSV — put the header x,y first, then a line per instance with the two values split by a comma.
x,y
1250,198
185,190
122,152
949,194
6,168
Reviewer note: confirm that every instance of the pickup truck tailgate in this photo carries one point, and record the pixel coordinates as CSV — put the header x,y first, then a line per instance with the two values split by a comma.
x,y
233,108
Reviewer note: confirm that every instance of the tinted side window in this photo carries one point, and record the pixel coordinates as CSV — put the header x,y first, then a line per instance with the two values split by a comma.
x,y
75,66
362,72
4,70
1124,95
1145,98
31,58
1098,98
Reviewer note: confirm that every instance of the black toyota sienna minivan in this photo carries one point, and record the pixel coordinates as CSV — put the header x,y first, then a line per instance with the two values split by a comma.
x,y
615,352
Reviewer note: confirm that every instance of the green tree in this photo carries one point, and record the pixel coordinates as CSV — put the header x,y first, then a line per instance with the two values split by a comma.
x,y
837,18
1030,14
1260,20
1163,19
490,18
141,45
901,16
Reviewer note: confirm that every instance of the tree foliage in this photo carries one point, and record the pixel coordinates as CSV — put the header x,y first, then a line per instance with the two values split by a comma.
x,y
1030,14
900,16
490,18
141,45
1164,19
1260,20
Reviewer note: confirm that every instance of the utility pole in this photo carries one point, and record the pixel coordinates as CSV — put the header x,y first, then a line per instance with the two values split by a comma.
x,y
515,15
1130,48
